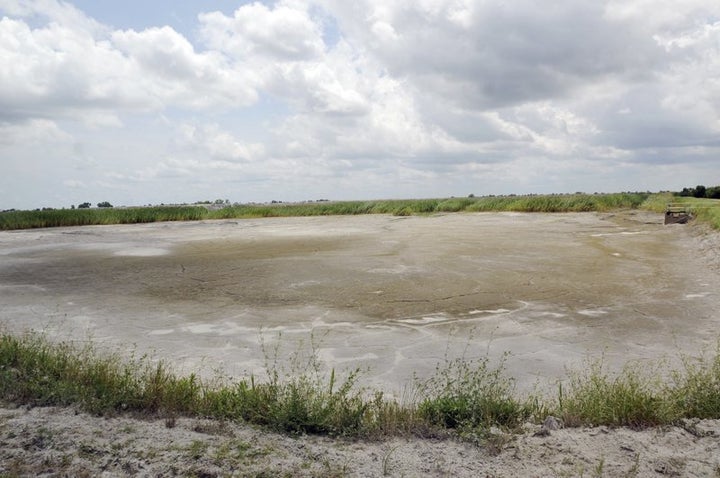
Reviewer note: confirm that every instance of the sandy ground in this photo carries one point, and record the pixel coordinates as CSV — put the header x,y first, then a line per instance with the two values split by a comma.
x,y
395,295
60,442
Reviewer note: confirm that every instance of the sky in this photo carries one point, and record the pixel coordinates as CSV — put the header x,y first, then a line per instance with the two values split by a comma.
x,y
171,102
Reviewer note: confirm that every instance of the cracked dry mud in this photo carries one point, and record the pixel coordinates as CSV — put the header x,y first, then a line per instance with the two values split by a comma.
x,y
393,296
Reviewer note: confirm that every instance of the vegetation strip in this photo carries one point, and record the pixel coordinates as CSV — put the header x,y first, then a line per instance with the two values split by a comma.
x,y
703,208
466,397
11,220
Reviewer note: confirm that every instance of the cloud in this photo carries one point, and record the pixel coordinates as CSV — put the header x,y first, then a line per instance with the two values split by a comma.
x,y
492,54
219,146
411,97
32,131
74,184
167,69
282,33
71,66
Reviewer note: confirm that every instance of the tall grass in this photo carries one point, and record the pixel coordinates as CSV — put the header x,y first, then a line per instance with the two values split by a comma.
x,y
467,394
37,372
463,396
105,216
634,397
551,203
560,203
705,210
696,390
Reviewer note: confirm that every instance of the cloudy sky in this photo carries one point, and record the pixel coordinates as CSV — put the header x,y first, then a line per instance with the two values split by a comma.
x,y
139,102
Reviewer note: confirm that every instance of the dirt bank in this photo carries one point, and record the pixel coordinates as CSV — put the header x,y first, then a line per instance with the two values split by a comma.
x,y
60,442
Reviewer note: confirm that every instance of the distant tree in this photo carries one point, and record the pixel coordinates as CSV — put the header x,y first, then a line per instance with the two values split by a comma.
x,y
713,192
687,192
700,191
104,204
72,206
85,205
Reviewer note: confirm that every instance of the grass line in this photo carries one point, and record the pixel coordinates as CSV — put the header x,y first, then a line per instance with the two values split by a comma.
x,y
12,220
705,210
465,397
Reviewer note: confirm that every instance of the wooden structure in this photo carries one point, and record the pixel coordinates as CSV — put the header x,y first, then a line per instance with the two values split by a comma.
x,y
677,214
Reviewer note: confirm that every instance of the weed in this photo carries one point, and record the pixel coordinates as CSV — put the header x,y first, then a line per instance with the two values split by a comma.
x,y
386,460
466,394
697,386
467,397
631,398
635,468
599,468
197,449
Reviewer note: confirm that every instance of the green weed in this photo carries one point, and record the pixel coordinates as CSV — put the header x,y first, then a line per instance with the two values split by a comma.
x,y
697,386
465,397
634,397
470,394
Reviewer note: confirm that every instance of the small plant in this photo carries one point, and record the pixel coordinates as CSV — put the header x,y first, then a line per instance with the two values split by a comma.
x,y
386,461
631,398
466,394
697,386
197,449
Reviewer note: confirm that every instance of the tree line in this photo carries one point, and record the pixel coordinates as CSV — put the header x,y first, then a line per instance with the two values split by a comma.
x,y
701,191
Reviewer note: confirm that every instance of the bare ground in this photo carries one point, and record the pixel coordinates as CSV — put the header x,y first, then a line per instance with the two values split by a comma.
x,y
63,442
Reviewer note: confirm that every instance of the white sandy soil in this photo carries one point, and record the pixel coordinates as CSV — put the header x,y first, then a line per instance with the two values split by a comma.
x,y
62,442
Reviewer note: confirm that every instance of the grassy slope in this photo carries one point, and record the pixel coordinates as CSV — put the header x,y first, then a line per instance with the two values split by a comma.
x,y
705,210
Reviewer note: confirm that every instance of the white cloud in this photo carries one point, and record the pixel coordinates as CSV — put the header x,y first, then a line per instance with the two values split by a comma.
x,y
32,131
64,70
210,141
167,69
414,97
282,33
74,184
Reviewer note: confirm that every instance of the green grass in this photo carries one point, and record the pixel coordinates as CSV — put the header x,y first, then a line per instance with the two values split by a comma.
x,y
696,387
560,203
704,210
470,394
103,216
85,217
463,397
635,397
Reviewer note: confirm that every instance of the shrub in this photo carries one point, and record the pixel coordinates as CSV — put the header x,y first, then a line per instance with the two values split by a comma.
x,y
631,398
469,394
